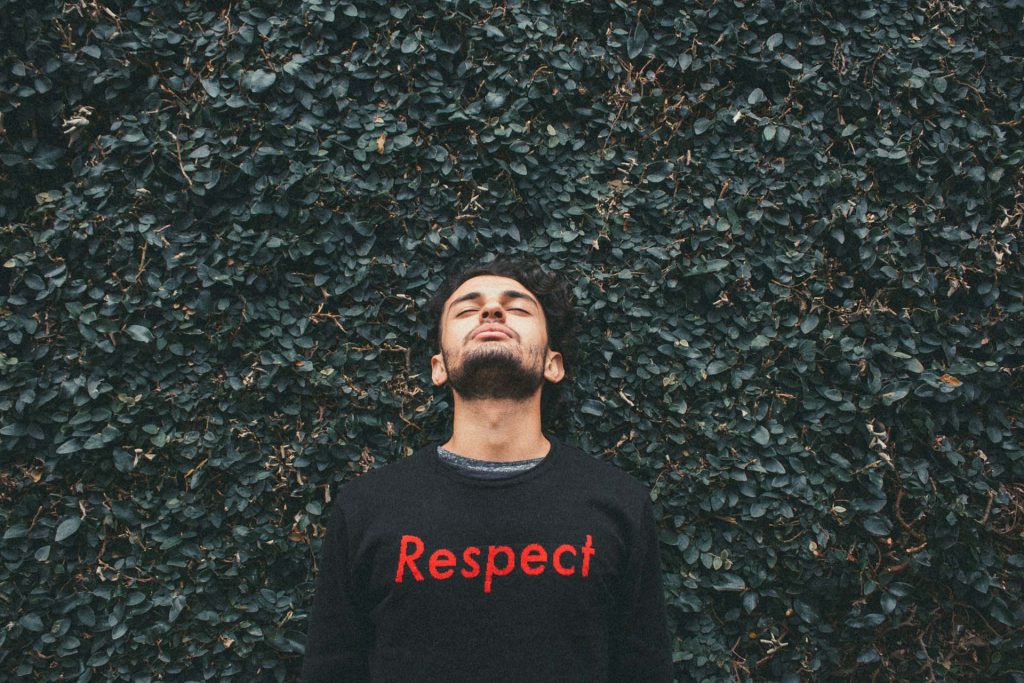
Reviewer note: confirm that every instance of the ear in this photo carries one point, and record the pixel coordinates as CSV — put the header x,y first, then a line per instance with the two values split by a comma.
x,y
554,370
438,373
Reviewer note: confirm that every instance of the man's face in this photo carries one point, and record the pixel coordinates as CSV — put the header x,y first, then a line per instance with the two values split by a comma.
x,y
494,342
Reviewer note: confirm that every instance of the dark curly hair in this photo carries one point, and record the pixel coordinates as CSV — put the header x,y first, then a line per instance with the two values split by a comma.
x,y
556,298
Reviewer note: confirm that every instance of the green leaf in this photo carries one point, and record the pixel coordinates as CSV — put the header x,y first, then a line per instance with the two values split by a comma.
x,y
140,333
658,171
258,81
283,644
791,62
69,446
832,394
761,436
212,88
177,604
15,531
67,527
809,323
32,622
14,429
726,581
716,367
494,99
878,526
636,42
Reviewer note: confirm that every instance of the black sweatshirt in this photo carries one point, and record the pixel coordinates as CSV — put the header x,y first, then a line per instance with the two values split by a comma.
x,y
551,574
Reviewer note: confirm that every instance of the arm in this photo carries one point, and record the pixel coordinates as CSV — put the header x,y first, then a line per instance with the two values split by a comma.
x,y
339,636
641,647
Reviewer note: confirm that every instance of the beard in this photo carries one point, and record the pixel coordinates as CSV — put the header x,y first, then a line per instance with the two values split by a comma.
x,y
494,370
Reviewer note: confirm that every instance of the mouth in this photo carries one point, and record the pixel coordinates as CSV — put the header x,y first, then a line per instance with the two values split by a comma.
x,y
492,333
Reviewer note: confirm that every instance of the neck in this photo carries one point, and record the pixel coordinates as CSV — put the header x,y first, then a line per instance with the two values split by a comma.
x,y
498,429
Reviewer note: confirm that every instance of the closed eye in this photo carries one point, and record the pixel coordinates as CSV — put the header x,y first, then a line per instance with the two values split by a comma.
x,y
471,310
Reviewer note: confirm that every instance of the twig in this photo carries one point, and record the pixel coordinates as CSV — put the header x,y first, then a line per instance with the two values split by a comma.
x,y
181,166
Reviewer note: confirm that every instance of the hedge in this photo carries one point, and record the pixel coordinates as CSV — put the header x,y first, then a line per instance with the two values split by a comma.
x,y
793,229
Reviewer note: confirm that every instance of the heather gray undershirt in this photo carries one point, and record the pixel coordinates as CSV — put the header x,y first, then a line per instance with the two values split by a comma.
x,y
485,469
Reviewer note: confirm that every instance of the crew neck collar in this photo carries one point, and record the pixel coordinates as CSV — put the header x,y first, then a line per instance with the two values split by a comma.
x,y
553,456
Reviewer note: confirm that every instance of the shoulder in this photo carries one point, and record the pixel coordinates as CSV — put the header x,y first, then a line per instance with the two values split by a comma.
x,y
601,474
357,500
389,475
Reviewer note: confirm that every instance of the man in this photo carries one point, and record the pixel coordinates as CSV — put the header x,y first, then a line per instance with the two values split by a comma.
x,y
503,553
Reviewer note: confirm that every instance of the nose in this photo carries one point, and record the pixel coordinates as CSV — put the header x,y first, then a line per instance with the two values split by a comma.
x,y
492,311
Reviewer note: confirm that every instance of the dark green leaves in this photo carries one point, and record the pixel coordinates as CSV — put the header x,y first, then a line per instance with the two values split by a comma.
x,y
782,222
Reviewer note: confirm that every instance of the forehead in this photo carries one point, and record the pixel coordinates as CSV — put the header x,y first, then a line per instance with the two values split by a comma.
x,y
489,286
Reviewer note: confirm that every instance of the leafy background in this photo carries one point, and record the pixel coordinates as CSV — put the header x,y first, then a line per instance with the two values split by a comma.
x,y
794,232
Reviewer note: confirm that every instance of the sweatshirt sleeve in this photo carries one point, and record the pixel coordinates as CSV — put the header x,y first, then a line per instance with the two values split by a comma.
x,y
641,646
339,635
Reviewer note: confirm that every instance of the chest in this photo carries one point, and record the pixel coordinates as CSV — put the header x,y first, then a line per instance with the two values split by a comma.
x,y
504,556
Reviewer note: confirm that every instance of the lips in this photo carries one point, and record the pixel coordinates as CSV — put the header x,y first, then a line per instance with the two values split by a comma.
x,y
492,332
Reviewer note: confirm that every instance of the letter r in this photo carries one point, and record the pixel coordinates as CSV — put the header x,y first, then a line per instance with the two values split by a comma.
x,y
405,558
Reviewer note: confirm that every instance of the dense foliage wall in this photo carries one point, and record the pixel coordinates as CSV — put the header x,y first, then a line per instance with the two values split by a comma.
x,y
794,231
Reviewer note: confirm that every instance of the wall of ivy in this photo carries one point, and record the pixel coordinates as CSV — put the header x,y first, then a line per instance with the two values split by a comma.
x,y
794,231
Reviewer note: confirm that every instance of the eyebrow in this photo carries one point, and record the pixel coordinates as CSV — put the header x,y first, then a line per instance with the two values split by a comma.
x,y
507,294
